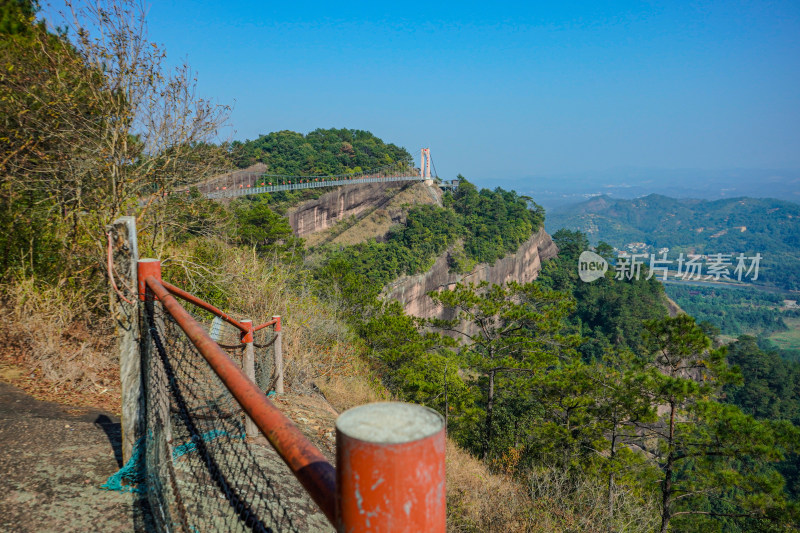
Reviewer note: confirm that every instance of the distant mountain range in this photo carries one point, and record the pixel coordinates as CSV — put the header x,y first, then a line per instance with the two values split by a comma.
x,y
730,226
555,191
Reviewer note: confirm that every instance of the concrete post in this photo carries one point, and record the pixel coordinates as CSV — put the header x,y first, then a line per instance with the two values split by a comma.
x,y
125,257
390,470
249,369
278,350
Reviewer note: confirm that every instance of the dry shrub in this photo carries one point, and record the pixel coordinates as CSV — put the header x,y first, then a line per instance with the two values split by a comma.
x,y
58,337
549,500
570,502
317,344
344,392
478,500
63,338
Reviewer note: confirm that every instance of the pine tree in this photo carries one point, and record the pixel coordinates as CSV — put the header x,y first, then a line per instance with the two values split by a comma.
x,y
714,459
513,330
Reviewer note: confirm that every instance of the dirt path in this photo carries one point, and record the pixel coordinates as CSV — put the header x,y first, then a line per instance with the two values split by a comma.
x,y
53,459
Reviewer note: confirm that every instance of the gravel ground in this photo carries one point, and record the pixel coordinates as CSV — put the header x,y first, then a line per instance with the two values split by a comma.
x,y
53,459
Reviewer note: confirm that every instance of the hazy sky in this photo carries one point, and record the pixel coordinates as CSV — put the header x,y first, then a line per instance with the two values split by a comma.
x,y
499,89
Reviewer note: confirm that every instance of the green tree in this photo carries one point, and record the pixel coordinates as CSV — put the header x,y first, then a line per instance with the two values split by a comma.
x,y
610,312
420,366
16,16
322,152
263,229
770,390
511,329
338,283
618,405
706,450
94,126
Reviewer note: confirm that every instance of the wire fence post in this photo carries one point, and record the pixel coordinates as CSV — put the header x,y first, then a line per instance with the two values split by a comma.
x,y
278,355
390,469
147,268
125,255
249,369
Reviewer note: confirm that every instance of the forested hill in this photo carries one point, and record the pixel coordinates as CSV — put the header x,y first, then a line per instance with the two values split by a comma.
x,y
320,152
738,225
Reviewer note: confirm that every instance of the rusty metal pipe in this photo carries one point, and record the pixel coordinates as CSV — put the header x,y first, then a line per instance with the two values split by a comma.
x,y
144,269
192,299
311,468
266,324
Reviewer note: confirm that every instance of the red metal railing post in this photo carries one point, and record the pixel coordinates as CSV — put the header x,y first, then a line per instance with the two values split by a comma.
x,y
146,268
278,351
151,268
390,470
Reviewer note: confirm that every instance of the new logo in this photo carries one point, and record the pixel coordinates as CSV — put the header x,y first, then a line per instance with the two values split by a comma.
x,y
591,266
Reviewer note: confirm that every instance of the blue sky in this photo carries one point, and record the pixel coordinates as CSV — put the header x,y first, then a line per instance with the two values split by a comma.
x,y
507,90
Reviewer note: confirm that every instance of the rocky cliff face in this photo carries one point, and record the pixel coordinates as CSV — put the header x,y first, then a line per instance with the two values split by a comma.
x,y
377,200
523,266
328,209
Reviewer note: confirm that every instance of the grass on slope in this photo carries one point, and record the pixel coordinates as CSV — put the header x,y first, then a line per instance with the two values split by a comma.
x,y
788,340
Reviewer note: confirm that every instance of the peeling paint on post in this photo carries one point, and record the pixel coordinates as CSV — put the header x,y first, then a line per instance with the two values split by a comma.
x,y
390,469
126,317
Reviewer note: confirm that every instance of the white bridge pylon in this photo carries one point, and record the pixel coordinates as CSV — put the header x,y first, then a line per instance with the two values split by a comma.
x,y
425,163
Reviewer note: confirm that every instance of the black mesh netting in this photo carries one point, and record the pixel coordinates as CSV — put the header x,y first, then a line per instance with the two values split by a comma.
x,y
202,473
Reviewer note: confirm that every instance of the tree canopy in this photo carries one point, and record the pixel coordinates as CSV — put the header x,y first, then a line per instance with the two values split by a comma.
x,y
322,152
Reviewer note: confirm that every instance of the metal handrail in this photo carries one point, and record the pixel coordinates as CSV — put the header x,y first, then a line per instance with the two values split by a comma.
x,y
310,467
192,299
272,322
243,191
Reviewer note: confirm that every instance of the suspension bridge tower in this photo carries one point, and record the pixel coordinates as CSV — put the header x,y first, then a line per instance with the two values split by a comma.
x,y
425,165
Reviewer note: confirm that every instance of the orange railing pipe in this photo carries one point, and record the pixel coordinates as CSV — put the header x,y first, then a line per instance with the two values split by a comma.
x,y
192,299
272,322
311,468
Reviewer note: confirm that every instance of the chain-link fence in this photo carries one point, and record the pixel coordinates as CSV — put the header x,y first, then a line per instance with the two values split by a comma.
x,y
206,450
202,473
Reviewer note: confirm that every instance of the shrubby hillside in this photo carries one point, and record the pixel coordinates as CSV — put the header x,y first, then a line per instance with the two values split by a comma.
x,y
735,311
477,226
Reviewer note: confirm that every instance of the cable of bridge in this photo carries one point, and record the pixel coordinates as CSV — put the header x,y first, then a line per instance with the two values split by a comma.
x,y
435,173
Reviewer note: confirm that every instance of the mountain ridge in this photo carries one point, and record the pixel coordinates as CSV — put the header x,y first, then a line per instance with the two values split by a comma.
x,y
744,224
